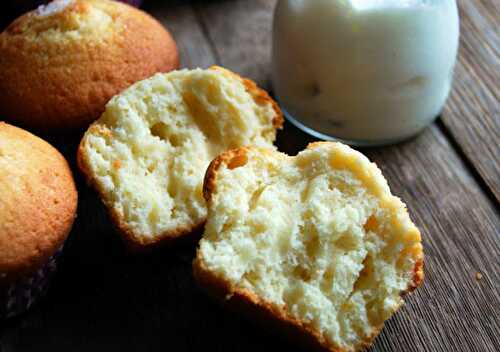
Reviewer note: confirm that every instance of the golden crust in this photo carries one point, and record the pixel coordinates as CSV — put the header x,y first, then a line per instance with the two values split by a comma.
x,y
264,313
260,96
256,308
232,158
253,307
38,202
137,241
63,78
226,158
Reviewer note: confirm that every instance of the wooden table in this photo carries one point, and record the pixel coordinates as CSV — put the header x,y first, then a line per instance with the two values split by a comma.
x,y
449,176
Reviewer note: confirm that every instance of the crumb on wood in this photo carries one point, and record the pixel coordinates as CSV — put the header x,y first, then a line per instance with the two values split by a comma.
x,y
479,276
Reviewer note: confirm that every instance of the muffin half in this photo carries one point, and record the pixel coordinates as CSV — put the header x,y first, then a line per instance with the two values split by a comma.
x,y
314,245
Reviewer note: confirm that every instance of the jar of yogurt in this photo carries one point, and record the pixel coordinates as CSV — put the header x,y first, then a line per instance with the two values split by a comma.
x,y
366,72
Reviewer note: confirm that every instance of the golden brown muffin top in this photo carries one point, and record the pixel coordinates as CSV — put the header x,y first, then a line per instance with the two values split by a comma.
x,y
70,20
38,201
61,63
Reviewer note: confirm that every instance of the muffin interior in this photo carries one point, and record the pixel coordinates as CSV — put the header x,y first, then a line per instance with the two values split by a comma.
x,y
315,234
149,151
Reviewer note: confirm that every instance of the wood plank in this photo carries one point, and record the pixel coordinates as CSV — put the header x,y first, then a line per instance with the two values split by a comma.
x,y
460,225
472,114
184,26
243,25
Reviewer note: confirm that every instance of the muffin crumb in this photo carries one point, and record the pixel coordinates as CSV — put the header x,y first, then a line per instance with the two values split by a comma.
x,y
316,242
148,152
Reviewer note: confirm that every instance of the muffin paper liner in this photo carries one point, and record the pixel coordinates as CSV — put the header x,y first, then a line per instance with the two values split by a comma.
x,y
136,3
22,294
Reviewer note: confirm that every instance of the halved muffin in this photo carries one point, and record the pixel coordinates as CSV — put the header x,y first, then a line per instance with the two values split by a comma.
x,y
314,244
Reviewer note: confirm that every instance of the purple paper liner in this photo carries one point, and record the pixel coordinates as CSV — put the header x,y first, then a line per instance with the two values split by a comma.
x,y
21,295
136,3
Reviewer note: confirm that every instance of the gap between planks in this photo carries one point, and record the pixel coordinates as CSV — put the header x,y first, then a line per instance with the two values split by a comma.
x,y
469,164
472,113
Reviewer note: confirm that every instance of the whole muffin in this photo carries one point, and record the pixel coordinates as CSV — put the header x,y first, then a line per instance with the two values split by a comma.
x,y
61,63
38,202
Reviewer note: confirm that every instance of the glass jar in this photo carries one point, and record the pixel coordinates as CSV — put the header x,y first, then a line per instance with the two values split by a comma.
x,y
366,72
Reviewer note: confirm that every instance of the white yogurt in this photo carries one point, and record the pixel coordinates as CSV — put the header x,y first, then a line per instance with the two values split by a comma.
x,y
364,71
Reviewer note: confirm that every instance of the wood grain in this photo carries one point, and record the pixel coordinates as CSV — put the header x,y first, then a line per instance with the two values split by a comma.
x,y
460,225
181,21
107,300
239,32
472,114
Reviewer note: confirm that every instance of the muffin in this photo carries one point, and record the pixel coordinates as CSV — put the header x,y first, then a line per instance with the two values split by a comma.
x,y
314,245
147,154
61,63
38,201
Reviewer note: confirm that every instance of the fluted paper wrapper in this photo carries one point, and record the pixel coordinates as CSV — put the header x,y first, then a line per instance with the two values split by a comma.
x,y
22,294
